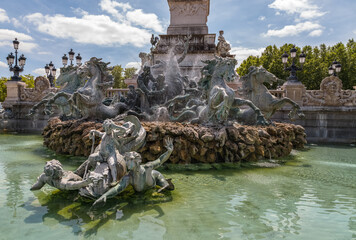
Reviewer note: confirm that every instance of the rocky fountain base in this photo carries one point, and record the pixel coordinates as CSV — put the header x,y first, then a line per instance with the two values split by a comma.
x,y
192,143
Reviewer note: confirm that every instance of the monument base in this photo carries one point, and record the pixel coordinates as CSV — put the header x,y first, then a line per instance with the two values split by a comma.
x,y
183,30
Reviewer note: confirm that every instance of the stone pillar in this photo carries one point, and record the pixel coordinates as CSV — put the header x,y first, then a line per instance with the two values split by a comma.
x,y
188,16
12,93
295,91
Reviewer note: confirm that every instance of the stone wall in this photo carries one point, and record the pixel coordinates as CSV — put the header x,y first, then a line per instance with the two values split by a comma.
x,y
18,103
192,143
325,124
330,112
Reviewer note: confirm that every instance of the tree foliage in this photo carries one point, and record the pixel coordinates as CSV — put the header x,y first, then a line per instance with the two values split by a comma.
x,y
117,73
129,72
28,79
120,74
316,65
3,89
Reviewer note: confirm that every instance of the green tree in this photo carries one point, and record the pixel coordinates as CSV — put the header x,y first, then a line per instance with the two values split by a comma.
x,y
246,64
29,80
117,73
120,74
3,89
351,55
129,72
315,68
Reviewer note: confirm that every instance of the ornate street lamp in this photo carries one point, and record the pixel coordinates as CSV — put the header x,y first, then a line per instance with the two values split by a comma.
x,y
78,59
335,68
65,60
50,72
71,58
293,68
19,62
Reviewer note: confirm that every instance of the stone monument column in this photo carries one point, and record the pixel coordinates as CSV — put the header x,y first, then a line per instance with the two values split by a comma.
x,y
188,16
188,20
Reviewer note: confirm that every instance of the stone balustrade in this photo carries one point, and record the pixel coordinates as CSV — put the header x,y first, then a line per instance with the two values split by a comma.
x,y
277,93
111,92
329,94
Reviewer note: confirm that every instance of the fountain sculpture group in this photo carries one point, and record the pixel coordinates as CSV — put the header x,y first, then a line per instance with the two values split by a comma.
x,y
112,166
115,163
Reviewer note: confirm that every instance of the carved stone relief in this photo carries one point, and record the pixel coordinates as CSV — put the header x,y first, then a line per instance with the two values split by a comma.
x,y
330,94
188,9
41,89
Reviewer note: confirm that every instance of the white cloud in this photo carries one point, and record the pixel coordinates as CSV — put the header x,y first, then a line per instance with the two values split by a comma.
x,y
44,53
261,18
125,25
79,11
243,53
39,71
304,11
293,30
311,14
123,12
42,72
316,33
4,65
111,7
28,46
7,36
145,20
304,8
19,24
3,16
354,31
136,65
93,29
16,22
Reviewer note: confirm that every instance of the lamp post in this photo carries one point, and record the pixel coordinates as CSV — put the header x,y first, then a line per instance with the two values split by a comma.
x,y
335,68
293,68
19,62
50,73
71,54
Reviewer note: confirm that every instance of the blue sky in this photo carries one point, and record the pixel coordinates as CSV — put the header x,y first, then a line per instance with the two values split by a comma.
x,y
117,30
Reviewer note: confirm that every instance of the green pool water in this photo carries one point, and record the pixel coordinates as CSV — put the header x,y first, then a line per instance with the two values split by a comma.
x,y
312,196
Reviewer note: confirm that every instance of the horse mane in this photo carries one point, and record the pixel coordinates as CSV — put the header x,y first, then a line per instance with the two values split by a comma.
x,y
246,84
207,74
211,67
106,75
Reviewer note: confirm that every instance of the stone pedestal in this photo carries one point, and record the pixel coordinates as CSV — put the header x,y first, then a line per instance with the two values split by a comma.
x,y
294,91
13,95
18,103
188,16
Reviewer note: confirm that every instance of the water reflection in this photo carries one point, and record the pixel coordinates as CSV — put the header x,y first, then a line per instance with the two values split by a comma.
x,y
69,209
312,197
322,201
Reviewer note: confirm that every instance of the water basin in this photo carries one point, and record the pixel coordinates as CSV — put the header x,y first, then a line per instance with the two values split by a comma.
x,y
312,196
